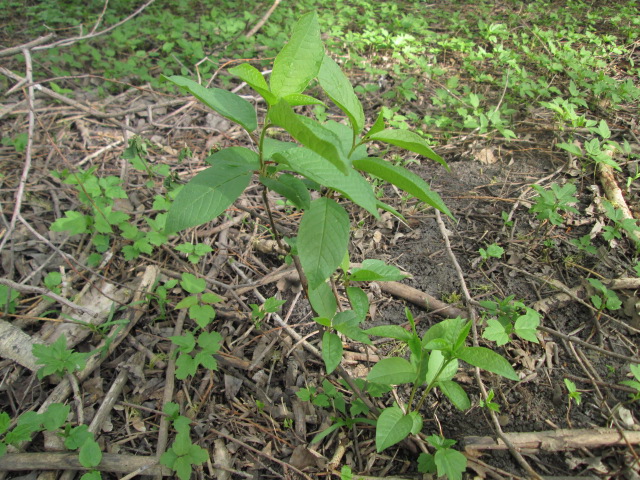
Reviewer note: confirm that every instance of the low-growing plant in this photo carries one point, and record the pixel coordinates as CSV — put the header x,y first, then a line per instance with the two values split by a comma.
x,y
58,359
332,159
549,204
489,403
604,299
493,251
509,317
635,383
53,419
183,454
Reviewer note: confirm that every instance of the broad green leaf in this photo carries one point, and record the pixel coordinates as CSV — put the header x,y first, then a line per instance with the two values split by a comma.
x,y
323,237
455,393
210,192
392,371
450,463
296,99
252,76
436,359
448,330
392,427
309,133
409,141
192,284
347,323
417,422
488,360
90,454
403,179
300,59
331,351
390,331
496,332
376,271
337,86
345,134
317,169
377,127
74,222
359,301
226,103
527,325
291,188
327,431
272,146
54,417
426,463
323,300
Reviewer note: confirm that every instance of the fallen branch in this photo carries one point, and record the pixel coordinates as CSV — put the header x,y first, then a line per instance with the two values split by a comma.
x,y
555,440
24,462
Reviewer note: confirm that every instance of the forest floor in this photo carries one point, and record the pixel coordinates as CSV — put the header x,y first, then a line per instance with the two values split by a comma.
x,y
246,414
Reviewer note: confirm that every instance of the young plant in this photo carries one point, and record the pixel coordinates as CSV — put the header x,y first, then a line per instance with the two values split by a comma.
x,y
572,392
259,312
635,384
510,317
194,252
183,454
489,403
493,251
604,298
58,359
447,462
549,203
433,362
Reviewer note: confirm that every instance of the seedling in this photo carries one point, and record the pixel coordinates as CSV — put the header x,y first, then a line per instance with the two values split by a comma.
x,y
510,317
493,251
183,454
635,384
549,203
446,461
489,403
58,359
259,312
194,252
604,298
573,393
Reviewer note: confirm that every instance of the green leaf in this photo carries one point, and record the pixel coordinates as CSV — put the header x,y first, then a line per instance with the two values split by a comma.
x,y
426,463
192,284
409,141
337,86
210,192
310,133
436,359
359,302
296,99
392,371
226,103
90,454
323,300
314,167
93,475
527,325
300,59
496,332
187,302
291,188
376,271
403,179
450,463
390,331
77,437
392,427
454,392
55,416
322,240
74,222
377,127
347,323
252,76
202,314
331,351
488,360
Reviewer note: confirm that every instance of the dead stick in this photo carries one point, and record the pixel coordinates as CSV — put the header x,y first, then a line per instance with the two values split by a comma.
x,y
21,462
